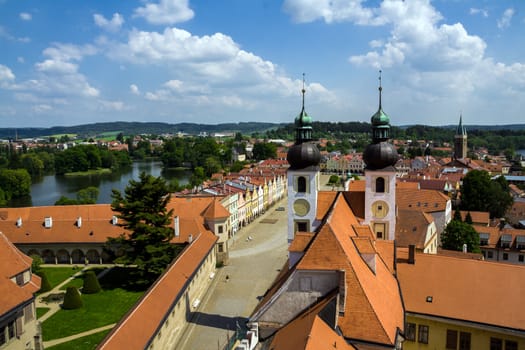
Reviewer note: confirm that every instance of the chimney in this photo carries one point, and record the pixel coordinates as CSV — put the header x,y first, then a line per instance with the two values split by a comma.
x,y
464,247
114,220
176,226
190,238
19,222
412,254
79,221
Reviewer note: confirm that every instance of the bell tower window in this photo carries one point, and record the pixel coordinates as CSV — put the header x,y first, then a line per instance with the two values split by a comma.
x,y
301,184
380,185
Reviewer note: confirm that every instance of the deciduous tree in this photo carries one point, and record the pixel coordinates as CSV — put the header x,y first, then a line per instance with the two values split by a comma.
x,y
480,193
458,233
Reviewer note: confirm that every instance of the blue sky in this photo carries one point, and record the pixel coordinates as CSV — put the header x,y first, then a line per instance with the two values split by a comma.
x,y
66,62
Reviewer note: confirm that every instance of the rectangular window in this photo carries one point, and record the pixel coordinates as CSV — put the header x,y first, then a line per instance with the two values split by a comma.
x,y
220,228
301,226
28,313
3,339
511,345
452,339
505,256
220,247
20,279
464,341
496,344
380,229
521,258
410,331
422,334
11,330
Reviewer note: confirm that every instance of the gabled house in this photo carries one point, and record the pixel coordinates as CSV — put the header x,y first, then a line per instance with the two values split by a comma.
x,y
19,328
455,303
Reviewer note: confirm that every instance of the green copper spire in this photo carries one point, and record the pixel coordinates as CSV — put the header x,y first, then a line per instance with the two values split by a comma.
x,y
303,123
380,120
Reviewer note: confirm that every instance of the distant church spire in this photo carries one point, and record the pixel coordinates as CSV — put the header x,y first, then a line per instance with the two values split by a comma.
x,y
460,140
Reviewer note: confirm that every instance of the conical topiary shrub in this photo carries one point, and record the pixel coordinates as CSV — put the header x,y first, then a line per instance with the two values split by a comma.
x,y
91,285
72,299
45,286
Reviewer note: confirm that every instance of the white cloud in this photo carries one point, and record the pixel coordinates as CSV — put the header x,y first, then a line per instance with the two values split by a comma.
x,y
4,33
57,75
165,12
330,11
25,16
134,89
6,75
42,108
475,11
112,105
112,25
20,59
419,41
56,66
504,21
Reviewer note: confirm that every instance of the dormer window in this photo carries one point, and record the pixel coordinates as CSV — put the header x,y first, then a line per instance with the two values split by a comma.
x,y
483,239
505,241
520,242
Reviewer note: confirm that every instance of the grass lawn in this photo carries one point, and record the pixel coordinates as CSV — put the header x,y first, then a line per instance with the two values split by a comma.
x,y
89,342
56,275
41,311
99,309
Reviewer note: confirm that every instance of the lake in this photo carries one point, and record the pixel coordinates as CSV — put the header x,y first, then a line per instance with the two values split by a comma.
x,y
48,189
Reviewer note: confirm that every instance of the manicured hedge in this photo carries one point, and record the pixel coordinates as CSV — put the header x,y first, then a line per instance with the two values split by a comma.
x,y
91,285
72,299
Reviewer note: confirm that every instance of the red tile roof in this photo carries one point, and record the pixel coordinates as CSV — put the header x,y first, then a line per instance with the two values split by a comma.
x,y
12,263
465,289
374,311
309,332
137,328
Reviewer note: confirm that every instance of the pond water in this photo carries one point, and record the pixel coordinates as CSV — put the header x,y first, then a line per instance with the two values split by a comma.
x,y
48,189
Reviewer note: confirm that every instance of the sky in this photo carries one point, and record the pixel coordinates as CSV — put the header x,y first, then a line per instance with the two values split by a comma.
x,y
66,62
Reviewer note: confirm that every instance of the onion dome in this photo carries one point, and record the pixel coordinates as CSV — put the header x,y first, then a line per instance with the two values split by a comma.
x,y
303,153
380,153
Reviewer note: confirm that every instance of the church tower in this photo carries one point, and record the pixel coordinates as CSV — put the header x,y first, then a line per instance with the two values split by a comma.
x,y
380,176
460,141
303,177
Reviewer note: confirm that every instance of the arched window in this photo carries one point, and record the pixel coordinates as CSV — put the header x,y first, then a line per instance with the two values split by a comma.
x,y
380,185
301,184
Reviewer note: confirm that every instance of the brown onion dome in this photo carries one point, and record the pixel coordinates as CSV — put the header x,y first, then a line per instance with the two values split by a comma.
x,y
380,154
303,155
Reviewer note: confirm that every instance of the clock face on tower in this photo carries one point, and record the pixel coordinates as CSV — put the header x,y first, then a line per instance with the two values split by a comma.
x,y
379,209
301,207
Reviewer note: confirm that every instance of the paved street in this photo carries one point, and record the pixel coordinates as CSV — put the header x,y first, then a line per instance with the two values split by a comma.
x,y
254,264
